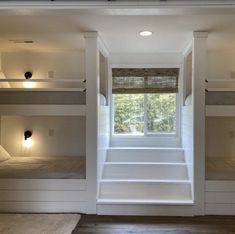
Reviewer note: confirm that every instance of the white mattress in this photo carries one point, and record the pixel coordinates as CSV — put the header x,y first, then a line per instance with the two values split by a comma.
x,y
220,168
44,168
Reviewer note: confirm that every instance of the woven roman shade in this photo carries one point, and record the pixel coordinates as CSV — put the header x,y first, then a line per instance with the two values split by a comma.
x,y
145,80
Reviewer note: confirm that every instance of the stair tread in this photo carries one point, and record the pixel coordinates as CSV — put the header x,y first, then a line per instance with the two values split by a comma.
x,y
145,163
144,201
145,181
146,148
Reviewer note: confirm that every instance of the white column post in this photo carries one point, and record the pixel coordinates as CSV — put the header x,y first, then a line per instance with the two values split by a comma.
x,y
92,86
198,90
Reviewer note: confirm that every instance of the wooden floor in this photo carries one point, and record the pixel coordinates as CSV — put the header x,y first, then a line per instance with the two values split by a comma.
x,y
90,224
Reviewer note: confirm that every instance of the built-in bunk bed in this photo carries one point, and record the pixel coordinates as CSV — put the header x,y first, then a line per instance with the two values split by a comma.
x,y
220,155
39,183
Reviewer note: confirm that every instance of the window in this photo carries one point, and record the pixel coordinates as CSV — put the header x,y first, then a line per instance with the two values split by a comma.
x,y
145,104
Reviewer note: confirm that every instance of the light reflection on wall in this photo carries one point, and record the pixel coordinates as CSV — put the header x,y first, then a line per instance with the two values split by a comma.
x,y
29,84
28,143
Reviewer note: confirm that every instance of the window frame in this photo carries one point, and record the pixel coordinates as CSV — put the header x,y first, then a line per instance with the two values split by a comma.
x,y
146,133
148,138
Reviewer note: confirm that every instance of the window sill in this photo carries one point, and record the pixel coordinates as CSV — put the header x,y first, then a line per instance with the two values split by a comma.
x,y
145,141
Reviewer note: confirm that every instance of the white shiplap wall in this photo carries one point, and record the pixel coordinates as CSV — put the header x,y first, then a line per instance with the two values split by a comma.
x,y
187,138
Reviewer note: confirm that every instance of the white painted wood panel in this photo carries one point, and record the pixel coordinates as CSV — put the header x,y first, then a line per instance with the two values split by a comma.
x,y
219,209
146,210
187,138
198,103
145,154
42,196
157,171
103,138
220,186
177,191
220,110
220,197
43,184
41,110
92,85
43,207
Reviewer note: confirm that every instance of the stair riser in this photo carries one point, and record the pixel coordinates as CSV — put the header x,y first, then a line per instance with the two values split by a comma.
x,y
145,155
158,172
161,191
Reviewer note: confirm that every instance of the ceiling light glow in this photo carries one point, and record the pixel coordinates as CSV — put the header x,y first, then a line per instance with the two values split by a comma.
x,y
146,33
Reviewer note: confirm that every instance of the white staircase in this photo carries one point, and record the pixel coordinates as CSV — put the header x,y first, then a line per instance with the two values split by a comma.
x,y
145,176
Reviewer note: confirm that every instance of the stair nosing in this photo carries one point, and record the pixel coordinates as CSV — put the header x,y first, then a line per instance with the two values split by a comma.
x,y
144,181
146,163
146,148
144,201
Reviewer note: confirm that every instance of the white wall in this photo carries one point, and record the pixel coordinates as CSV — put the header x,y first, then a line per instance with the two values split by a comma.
x,y
103,137
68,135
187,115
220,65
157,59
64,65
187,137
2,76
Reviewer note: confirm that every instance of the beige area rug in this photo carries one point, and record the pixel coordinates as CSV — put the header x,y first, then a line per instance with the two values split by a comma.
x,y
38,223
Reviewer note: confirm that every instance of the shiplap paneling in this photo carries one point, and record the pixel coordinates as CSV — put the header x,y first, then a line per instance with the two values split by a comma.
x,y
220,186
220,197
42,196
219,209
43,207
43,184
187,138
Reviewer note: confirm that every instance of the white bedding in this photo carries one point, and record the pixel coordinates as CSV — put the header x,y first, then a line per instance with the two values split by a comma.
x,y
44,168
4,154
188,100
220,168
103,101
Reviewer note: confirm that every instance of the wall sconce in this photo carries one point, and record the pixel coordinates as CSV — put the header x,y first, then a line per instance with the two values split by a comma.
x,y
27,142
28,84
28,75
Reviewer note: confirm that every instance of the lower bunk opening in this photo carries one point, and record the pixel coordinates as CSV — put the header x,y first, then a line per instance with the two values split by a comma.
x,y
220,148
67,167
43,164
220,166
42,147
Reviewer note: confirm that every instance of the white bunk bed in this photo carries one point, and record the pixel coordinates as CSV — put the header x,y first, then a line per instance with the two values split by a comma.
x,y
43,184
58,100
220,171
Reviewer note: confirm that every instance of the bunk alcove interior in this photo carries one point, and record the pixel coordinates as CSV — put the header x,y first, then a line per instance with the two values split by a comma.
x,y
53,110
220,120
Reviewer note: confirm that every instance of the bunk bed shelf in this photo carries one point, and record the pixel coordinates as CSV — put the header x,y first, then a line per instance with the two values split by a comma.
x,y
221,89
42,89
43,110
221,80
220,110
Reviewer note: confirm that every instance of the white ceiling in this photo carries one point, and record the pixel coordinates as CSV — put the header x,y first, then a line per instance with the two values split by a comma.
x,y
120,33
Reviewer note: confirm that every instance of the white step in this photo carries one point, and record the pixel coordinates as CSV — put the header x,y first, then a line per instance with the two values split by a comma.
x,y
177,191
135,154
151,171
145,201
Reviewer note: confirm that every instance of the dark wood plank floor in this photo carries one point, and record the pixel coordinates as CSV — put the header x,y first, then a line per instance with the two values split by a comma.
x,y
90,224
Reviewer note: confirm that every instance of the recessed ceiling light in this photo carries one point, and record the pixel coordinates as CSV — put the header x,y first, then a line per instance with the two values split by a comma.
x,y
146,33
